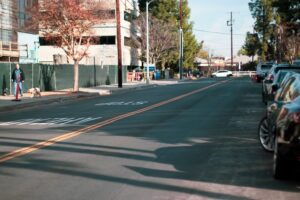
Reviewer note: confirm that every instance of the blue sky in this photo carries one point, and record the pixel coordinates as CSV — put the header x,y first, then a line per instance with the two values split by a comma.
x,y
212,15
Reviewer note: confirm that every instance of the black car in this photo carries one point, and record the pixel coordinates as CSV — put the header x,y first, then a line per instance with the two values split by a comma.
x,y
269,89
279,130
270,79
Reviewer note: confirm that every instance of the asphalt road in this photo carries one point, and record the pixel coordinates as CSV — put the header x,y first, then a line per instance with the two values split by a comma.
x,y
194,140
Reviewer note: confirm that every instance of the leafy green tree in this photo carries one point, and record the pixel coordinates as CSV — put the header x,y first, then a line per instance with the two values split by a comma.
x,y
287,29
262,12
251,46
168,12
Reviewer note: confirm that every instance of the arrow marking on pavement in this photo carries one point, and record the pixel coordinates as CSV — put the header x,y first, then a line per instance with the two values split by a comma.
x,y
46,143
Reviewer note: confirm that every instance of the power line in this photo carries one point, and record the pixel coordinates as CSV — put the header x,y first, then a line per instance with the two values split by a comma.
x,y
220,33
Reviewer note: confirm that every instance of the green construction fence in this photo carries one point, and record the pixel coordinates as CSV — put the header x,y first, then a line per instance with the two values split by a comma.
x,y
59,77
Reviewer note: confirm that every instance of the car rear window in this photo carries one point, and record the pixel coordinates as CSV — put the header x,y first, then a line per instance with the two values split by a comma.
x,y
266,67
287,67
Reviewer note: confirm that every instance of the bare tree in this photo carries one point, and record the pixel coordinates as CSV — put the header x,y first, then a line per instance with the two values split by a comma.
x,y
162,38
68,24
288,43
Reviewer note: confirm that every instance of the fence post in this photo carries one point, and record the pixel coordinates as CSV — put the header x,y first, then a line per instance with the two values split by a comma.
x,y
10,83
54,77
95,76
32,73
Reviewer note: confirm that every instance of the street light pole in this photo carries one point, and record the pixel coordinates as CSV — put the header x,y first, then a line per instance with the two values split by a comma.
x,y
230,23
147,40
180,43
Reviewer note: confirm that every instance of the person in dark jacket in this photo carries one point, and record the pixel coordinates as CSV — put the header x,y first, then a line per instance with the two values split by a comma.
x,y
18,77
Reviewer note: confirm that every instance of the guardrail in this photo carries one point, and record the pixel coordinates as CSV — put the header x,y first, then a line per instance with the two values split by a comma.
x,y
244,73
9,49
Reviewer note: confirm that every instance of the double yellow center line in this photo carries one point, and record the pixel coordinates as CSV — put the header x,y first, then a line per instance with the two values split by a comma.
x,y
43,144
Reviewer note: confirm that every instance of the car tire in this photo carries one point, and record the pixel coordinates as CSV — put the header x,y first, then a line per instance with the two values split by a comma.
x,y
280,164
265,137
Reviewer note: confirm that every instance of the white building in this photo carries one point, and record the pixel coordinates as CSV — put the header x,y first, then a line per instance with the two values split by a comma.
x,y
105,51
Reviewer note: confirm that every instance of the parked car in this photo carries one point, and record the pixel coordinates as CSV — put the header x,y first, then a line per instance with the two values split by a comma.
x,y
274,69
268,82
261,70
279,130
296,62
277,85
268,88
222,73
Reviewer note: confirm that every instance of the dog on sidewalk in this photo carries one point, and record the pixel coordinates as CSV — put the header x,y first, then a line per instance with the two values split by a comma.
x,y
35,92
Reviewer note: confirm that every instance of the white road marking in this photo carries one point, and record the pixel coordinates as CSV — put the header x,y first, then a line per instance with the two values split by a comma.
x,y
49,121
122,103
88,120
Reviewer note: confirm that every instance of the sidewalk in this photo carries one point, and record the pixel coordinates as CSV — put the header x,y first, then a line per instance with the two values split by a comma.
x,y
7,103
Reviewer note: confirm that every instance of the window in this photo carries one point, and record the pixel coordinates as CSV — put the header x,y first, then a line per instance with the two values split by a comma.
x,y
296,90
44,42
23,4
127,16
6,36
285,95
106,14
127,41
107,40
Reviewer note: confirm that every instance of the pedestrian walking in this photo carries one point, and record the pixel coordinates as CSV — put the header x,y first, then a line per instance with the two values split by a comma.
x,y
18,78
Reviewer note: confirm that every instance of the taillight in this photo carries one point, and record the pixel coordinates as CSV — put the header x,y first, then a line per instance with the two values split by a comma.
x,y
271,77
296,117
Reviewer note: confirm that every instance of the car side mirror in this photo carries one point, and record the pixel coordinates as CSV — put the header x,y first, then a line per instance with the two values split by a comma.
x,y
275,87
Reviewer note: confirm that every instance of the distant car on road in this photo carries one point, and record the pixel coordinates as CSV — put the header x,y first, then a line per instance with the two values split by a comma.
x,y
222,73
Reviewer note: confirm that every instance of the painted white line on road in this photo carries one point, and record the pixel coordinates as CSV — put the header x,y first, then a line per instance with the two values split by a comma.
x,y
49,121
88,120
122,103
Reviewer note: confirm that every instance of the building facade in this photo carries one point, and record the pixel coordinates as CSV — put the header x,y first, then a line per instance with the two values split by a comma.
x,y
8,30
13,17
104,50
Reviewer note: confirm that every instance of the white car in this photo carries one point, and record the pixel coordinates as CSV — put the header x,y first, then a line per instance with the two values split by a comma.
x,y
222,73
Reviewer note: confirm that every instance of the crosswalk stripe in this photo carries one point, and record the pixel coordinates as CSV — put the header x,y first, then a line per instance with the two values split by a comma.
x,y
73,120
49,121
28,121
10,123
87,120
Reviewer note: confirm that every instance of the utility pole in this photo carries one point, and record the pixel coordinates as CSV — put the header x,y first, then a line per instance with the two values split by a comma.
x,y
147,38
230,23
180,42
119,43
